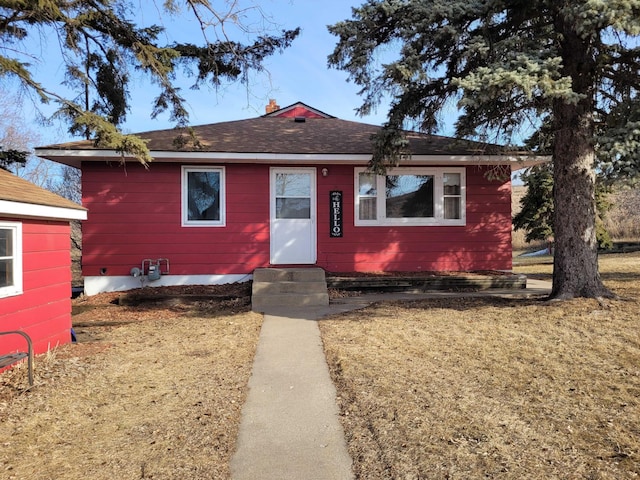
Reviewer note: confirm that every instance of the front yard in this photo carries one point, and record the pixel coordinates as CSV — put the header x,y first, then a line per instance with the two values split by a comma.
x,y
493,388
444,388
147,392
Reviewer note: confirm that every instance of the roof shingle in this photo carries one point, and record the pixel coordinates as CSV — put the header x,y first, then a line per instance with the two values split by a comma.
x,y
292,136
16,189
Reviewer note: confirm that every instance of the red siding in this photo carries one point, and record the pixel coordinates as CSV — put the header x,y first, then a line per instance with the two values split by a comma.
x,y
136,214
483,244
44,309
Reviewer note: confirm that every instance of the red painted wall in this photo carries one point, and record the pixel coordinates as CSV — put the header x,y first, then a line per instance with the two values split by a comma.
x,y
43,311
483,244
136,214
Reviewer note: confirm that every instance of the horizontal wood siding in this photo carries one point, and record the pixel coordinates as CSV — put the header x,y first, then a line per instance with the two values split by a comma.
x,y
483,244
43,311
136,214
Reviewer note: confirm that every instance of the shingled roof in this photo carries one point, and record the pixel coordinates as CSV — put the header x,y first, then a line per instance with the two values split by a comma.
x,y
19,197
278,134
292,135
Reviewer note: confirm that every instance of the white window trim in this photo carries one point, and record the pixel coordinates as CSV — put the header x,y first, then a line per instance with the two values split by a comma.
x,y
438,218
16,288
186,169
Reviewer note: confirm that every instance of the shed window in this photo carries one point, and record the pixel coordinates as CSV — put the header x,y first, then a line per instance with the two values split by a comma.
x,y
10,259
411,196
203,196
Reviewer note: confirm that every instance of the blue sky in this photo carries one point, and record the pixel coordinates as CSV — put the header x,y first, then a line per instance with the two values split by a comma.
x,y
300,73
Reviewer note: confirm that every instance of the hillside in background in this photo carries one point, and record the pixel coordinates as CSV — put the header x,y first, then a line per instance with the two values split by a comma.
x,y
622,221
519,243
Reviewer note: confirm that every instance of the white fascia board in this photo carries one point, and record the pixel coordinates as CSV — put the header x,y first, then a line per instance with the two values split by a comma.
x,y
73,157
20,209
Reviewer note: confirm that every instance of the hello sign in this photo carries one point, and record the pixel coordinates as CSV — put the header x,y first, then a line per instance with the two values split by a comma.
x,y
335,213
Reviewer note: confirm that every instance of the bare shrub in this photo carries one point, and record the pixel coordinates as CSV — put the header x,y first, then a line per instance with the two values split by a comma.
x,y
623,220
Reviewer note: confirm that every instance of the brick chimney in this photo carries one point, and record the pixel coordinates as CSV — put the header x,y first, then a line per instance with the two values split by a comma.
x,y
272,107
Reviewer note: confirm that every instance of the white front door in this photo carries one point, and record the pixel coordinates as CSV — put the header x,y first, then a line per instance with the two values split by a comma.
x,y
293,216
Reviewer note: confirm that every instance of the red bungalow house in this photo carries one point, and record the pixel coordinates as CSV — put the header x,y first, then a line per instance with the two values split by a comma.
x,y
289,188
35,264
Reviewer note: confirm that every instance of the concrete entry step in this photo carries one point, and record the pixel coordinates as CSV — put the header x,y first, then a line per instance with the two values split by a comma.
x,y
288,275
261,302
288,287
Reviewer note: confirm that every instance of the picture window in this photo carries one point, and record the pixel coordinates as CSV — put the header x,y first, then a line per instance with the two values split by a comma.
x,y
411,196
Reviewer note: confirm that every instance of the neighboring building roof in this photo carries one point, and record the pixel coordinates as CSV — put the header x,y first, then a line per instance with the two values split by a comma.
x,y
294,133
20,198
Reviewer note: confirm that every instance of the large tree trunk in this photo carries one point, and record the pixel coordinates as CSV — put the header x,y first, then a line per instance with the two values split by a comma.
x,y
575,272
575,267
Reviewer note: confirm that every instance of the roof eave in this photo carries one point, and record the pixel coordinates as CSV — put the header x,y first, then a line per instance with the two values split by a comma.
x,y
74,157
10,208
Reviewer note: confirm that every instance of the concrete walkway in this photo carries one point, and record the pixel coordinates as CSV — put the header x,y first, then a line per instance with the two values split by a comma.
x,y
290,428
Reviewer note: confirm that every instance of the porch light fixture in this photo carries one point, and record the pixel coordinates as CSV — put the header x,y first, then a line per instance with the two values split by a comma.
x,y
325,172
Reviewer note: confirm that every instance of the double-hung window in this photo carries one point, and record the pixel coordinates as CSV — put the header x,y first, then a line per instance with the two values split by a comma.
x,y
203,196
411,196
10,259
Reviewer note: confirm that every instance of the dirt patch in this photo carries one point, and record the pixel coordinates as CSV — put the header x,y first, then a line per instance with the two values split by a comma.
x,y
153,391
492,388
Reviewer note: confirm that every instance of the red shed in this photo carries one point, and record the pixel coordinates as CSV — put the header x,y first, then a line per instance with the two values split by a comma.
x,y
35,264
289,188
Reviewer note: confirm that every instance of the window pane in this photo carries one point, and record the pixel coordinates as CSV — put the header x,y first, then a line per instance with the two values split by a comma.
x,y
409,196
452,207
367,185
367,209
293,208
452,198
293,185
6,242
203,196
451,183
6,273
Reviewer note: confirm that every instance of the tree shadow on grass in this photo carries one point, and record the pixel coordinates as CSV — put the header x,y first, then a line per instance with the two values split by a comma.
x,y
464,303
620,277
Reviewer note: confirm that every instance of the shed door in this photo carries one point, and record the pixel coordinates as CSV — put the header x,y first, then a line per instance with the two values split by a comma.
x,y
293,216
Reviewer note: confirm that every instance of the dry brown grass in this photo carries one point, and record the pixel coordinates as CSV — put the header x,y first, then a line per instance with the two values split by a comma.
x,y
493,388
151,392
446,388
